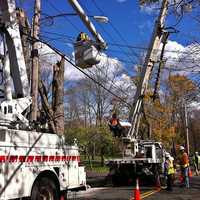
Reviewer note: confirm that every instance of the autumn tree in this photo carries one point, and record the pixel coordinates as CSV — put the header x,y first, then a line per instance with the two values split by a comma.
x,y
167,114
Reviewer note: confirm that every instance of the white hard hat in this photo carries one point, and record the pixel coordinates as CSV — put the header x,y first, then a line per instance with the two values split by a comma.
x,y
196,152
167,155
182,147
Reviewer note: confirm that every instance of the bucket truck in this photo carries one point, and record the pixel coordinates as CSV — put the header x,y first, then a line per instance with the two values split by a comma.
x,y
140,157
33,164
87,53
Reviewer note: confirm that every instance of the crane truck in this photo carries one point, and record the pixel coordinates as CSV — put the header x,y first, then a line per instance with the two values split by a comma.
x,y
33,164
141,158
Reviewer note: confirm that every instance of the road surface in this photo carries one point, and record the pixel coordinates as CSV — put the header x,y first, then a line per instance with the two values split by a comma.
x,y
147,193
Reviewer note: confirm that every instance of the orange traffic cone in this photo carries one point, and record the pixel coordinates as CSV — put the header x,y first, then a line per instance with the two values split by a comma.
x,y
137,190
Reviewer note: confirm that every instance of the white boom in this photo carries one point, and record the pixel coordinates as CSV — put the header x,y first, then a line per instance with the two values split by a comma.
x,y
150,59
33,164
77,7
14,67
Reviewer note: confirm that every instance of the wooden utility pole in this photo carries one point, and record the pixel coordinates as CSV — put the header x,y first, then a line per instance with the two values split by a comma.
x,y
150,59
58,96
35,60
187,129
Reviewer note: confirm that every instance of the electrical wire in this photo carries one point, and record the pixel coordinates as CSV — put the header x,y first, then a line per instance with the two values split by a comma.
x,y
67,18
111,37
81,70
114,28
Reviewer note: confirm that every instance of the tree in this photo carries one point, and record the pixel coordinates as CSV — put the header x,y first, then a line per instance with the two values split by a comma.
x,y
166,115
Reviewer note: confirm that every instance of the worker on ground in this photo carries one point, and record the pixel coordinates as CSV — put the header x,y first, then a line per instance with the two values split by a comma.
x,y
196,162
169,171
82,37
115,126
184,164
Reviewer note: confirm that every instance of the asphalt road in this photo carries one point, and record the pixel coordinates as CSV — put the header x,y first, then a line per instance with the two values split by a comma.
x,y
147,193
178,193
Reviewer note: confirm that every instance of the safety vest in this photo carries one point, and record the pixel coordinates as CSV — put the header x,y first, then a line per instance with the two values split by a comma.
x,y
184,160
194,159
114,122
84,37
170,167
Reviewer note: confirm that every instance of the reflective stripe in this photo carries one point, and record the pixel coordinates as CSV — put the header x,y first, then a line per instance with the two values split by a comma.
x,y
37,158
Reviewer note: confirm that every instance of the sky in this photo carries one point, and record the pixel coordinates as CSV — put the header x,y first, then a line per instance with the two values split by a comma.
x,y
129,25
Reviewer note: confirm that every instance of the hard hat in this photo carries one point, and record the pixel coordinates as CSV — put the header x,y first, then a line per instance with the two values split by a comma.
x,y
142,151
167,155
196,152
182,147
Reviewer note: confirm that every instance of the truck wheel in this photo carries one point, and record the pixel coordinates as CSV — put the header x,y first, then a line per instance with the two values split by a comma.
x,y
44,189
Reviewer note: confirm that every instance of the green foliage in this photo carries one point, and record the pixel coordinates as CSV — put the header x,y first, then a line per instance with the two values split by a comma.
x,y
93,141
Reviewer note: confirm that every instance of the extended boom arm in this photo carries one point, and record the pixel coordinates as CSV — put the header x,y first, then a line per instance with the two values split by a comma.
x,y
150,59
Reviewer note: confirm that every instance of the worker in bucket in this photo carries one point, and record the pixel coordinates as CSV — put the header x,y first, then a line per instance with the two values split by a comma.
x,y
115,126
82,37
184,164
169,171
196,162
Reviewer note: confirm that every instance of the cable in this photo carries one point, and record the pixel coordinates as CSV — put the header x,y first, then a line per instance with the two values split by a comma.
x,y
169,58
69,61
56,9
118,44
110,36
114,28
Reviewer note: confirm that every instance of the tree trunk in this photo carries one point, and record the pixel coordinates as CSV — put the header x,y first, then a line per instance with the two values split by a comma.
x,y
46,106
58,96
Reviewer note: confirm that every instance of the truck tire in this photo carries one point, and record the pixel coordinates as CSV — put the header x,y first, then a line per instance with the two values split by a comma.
x,y
44,189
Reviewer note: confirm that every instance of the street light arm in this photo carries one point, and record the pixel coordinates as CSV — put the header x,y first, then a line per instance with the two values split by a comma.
x,y
76,6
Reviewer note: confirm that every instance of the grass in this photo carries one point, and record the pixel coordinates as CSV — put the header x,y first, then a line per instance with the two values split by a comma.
x,y
95,166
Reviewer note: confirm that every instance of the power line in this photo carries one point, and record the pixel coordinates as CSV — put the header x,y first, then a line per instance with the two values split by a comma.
x,y
169,58
114,28
122,45
82,71
56,9
110,36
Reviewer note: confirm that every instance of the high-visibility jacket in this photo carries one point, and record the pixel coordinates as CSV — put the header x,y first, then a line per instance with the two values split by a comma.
x,y
114,121
184,160
196,158
83,37
170,167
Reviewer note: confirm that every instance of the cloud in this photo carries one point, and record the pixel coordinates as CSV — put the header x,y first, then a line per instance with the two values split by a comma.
x,y
182,59
109,66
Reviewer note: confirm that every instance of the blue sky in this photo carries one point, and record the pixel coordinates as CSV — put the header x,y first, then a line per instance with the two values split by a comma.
x,y
129,25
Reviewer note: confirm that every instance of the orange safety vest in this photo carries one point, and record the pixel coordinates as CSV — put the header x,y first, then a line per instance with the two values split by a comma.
x,y
114,122
184,160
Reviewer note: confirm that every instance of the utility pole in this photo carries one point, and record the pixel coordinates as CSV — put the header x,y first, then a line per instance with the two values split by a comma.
x,y
150,59
35,60
187,129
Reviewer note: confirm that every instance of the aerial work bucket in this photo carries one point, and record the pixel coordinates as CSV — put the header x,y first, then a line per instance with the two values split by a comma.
x,y
86,54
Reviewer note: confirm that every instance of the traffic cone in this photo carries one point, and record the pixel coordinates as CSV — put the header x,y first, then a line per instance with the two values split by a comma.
x,y
137,190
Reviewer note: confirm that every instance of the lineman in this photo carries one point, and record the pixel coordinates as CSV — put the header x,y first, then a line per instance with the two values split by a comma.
x,y
196,162
184,164
115,126
169,171
83,37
